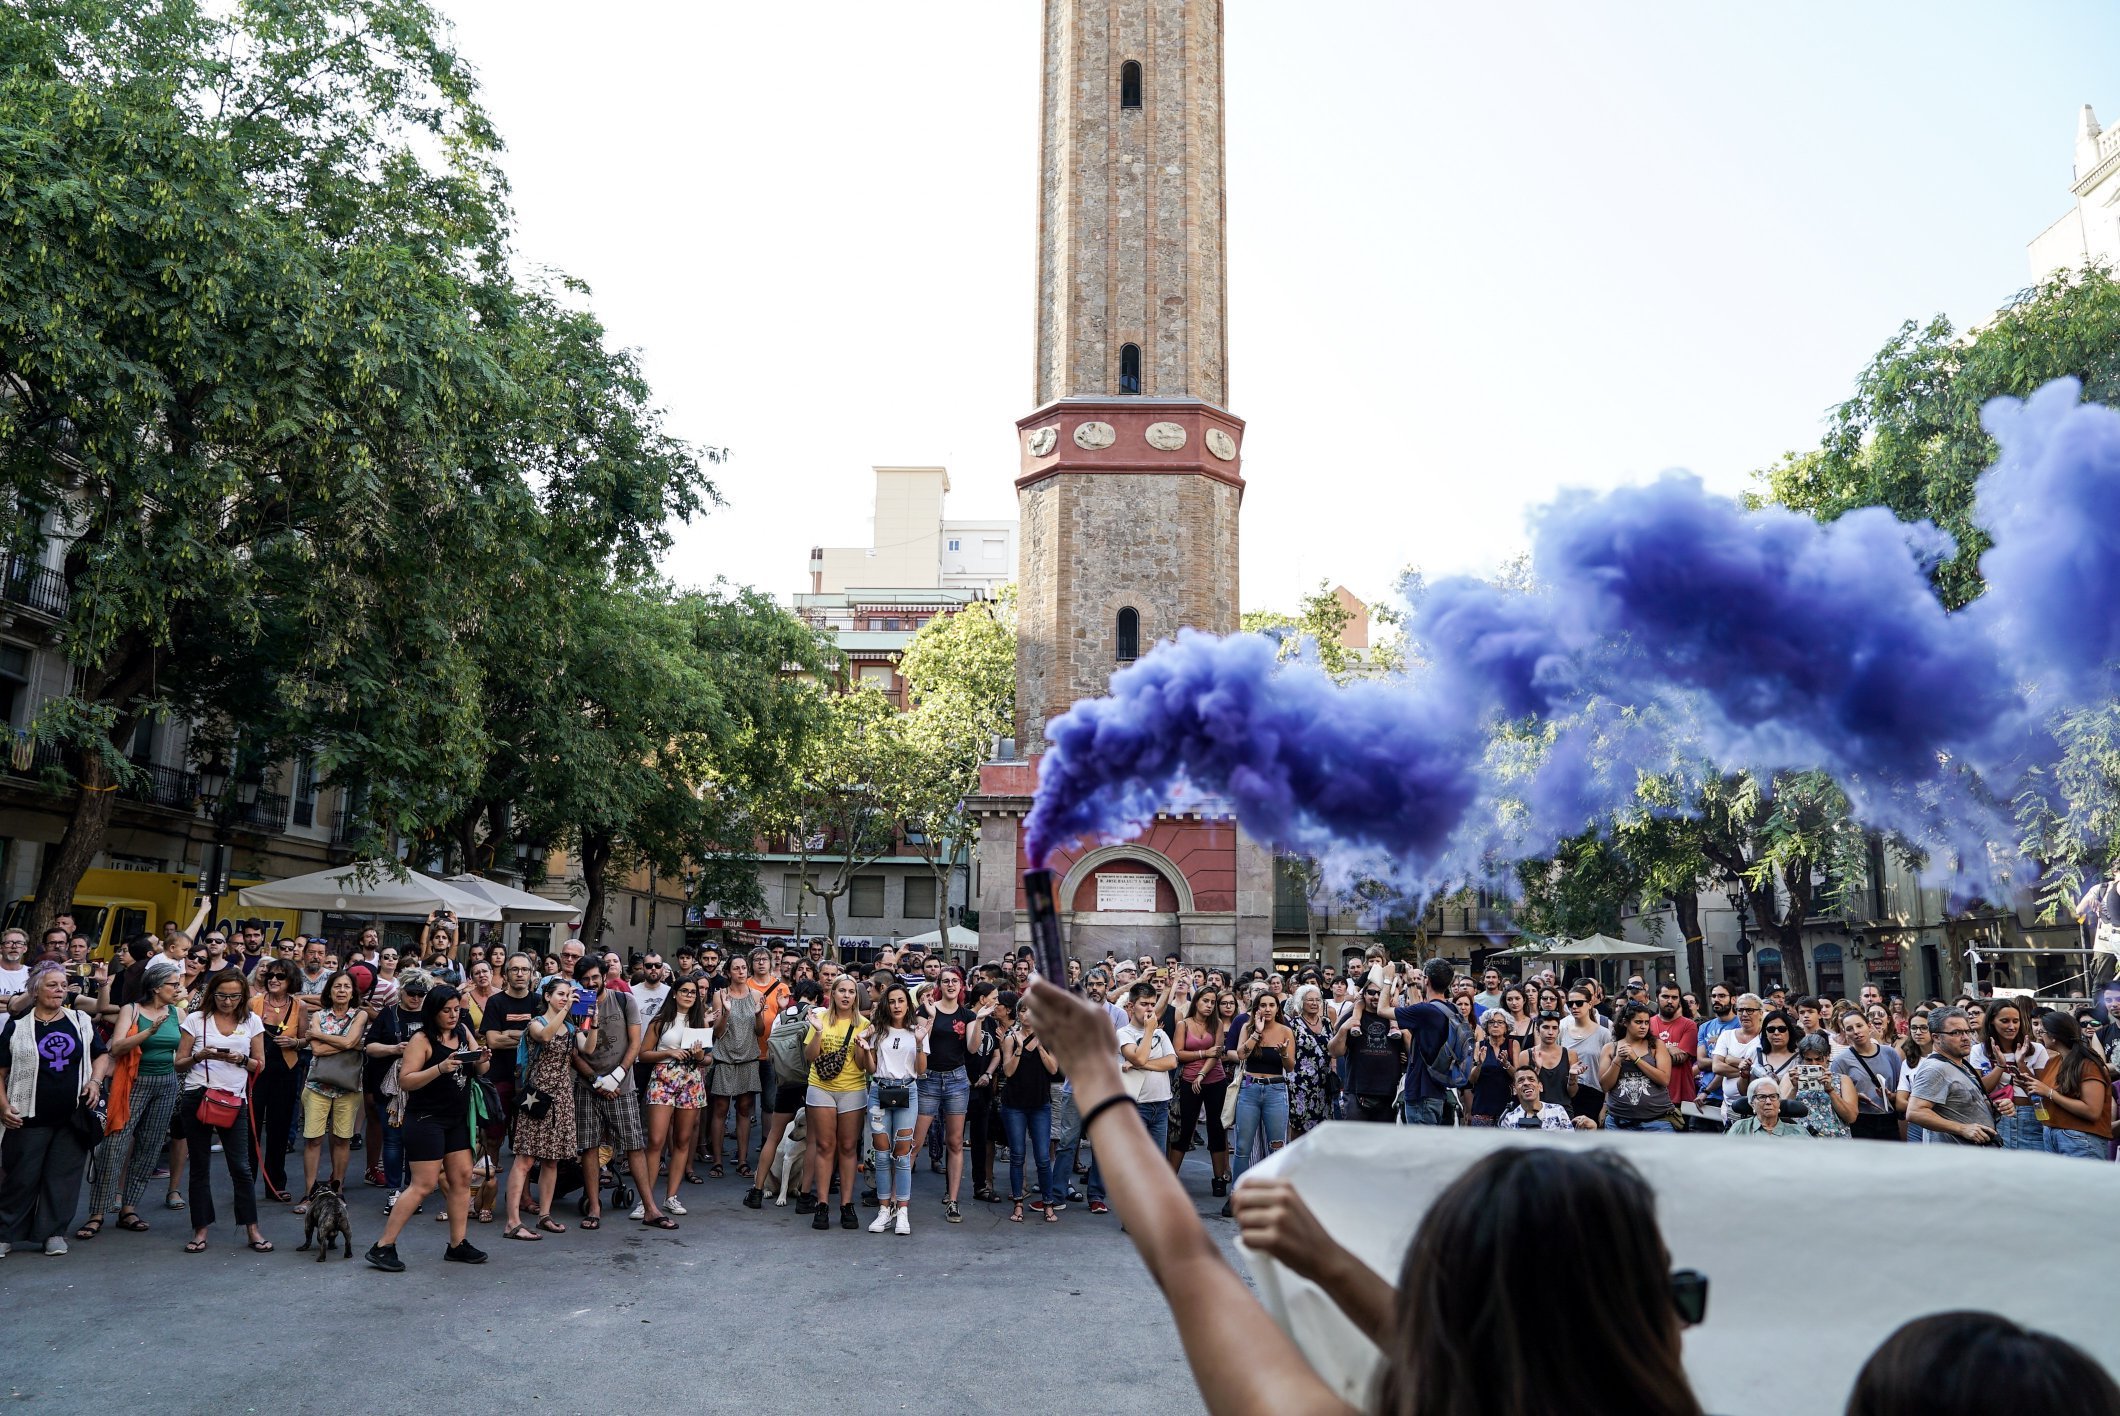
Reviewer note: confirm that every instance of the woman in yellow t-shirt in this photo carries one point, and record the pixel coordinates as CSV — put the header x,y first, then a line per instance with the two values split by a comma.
x,y
837,1099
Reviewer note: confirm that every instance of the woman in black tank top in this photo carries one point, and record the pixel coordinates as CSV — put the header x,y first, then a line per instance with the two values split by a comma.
x,y
946,1088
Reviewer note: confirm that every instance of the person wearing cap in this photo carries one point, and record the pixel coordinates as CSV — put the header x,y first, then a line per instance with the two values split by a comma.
x,y
389,1031
1766,1118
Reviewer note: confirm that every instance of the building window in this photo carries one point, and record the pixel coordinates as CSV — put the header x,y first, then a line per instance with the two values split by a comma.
x,y
1129,368
1769,961
1129,635
920,897
143,743
305,791
791,901
632,910
877,676
1130,84
1828,962
865,897
955,544
14,685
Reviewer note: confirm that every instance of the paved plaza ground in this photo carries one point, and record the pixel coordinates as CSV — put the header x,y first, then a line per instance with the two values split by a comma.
x,y
737,1311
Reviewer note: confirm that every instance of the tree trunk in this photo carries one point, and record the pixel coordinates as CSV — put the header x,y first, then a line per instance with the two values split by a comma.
x,y
595,858
945,869
654,898
95,802
1796,885
1686,905
831,923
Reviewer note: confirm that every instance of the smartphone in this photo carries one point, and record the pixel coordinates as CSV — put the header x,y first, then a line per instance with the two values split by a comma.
x,y
468,1055
583,1002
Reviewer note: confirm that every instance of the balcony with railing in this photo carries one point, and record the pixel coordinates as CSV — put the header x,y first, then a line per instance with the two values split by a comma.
x,y
170,788
268,813
35,587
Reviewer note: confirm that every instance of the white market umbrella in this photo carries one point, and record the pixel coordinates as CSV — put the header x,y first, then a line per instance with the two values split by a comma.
x,y
516,906
960,938
369,887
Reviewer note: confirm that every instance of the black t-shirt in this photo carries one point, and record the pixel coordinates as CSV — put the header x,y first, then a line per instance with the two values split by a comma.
x,y
946,1041
390,1027
1375,1059
1030,1086
505,1014
60,1065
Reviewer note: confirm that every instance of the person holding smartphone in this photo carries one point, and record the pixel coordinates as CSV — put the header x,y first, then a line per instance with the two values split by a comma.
x,y
544,1112
222,1049
435,1071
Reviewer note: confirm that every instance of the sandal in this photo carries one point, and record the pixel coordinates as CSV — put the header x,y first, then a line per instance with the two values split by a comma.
x,y
175,1201
131,1221
743,1170
261,1246
714,1171
592,1221
1052,1216
1016,1217
196,1246
91,1229
692,1177
661,1221
484,1216
550,1225
949,1212
300,1209
520,1231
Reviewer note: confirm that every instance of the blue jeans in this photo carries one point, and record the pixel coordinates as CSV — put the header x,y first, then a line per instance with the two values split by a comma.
x,y
2081,1144
890,1128
1613,1123
1426,1112
2021,1131
1261,1107
1156,1116
1030,1130
945,1094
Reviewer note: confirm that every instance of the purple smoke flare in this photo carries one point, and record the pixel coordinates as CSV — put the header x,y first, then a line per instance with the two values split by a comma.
x,y
1667,625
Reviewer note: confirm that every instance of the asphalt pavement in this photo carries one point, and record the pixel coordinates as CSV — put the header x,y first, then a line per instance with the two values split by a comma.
x,y
738,1310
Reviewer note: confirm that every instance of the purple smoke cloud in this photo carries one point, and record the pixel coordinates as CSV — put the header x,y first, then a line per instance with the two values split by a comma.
x,y
1666,624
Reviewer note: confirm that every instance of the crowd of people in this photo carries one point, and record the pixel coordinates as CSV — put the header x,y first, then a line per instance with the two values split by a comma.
x,y
495,1085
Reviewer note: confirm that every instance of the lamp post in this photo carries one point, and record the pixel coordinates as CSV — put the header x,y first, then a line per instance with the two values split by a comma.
x,y
1741,902
213,867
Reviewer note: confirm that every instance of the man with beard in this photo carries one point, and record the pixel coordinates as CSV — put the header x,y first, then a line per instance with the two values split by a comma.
x,y
1682,1036
1722,1016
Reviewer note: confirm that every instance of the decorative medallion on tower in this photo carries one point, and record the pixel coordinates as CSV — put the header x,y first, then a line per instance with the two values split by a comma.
x,y
1221,444
1166,437
1094,435
1042,441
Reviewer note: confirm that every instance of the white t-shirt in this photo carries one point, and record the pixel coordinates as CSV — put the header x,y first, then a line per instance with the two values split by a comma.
x,y
226,1076
649,998
1144,1085
14,981
2034,1060
1729,1047
1586,1044
896,1053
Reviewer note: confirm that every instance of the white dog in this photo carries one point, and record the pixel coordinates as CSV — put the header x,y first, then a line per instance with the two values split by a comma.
x,y
791,1158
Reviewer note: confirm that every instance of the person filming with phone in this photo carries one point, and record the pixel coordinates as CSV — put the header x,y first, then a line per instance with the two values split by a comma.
x,y
436,1071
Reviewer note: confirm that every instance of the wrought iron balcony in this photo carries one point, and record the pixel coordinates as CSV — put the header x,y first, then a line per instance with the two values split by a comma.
x,y
33,586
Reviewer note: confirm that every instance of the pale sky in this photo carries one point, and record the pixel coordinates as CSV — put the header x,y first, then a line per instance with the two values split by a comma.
x,y
1478,252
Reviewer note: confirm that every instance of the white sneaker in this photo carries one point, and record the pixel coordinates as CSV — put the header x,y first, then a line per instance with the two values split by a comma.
x,y
883,1219
640,1211
671,1206
5,1247
54,1247
905,1220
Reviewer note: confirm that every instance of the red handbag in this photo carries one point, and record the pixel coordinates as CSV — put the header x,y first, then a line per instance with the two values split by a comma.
x,y
219,1109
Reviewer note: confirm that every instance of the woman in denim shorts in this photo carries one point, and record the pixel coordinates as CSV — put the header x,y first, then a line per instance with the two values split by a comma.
x,y
946,1086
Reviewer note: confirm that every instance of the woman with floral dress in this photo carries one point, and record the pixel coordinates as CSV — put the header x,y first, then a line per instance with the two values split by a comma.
x,y
544,1110
1309,1100
679,1045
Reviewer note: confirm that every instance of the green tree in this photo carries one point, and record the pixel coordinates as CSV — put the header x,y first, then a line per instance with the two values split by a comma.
x,y
264,374
840,798
1316,627
960,672
1910,440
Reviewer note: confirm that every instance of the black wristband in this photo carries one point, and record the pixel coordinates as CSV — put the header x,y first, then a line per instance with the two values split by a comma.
x,y
1119,1099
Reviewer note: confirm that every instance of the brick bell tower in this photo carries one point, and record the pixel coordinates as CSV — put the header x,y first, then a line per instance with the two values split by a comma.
x,y
1131,471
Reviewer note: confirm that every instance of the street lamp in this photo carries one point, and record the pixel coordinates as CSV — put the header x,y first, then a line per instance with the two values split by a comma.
x,y
1741,902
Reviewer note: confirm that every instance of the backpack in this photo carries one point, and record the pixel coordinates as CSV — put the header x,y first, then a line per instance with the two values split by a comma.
x,y
785,1044
1450,1065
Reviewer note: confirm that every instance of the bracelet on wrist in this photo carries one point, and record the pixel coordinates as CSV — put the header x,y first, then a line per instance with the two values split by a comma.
x,y
1116,1099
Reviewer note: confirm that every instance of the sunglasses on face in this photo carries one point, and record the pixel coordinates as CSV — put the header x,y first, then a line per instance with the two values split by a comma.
x,y
1777,1028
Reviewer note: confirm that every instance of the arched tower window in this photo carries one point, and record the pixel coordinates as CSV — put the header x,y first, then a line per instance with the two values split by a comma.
x,y
1130,84
1129,368
1129,635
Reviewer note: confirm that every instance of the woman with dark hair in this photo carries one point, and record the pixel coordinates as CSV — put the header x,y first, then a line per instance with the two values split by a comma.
x,y
739,1022
51,1063
1028,1072
544,1132
2074,1092
679,1047
435,1072
279,1008
1979,1364
221,1051
1202,1083
1266,1053
1585,1220
331,1093
1777,1057
1516,1007
2007,1060
1634,1069
946,1085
